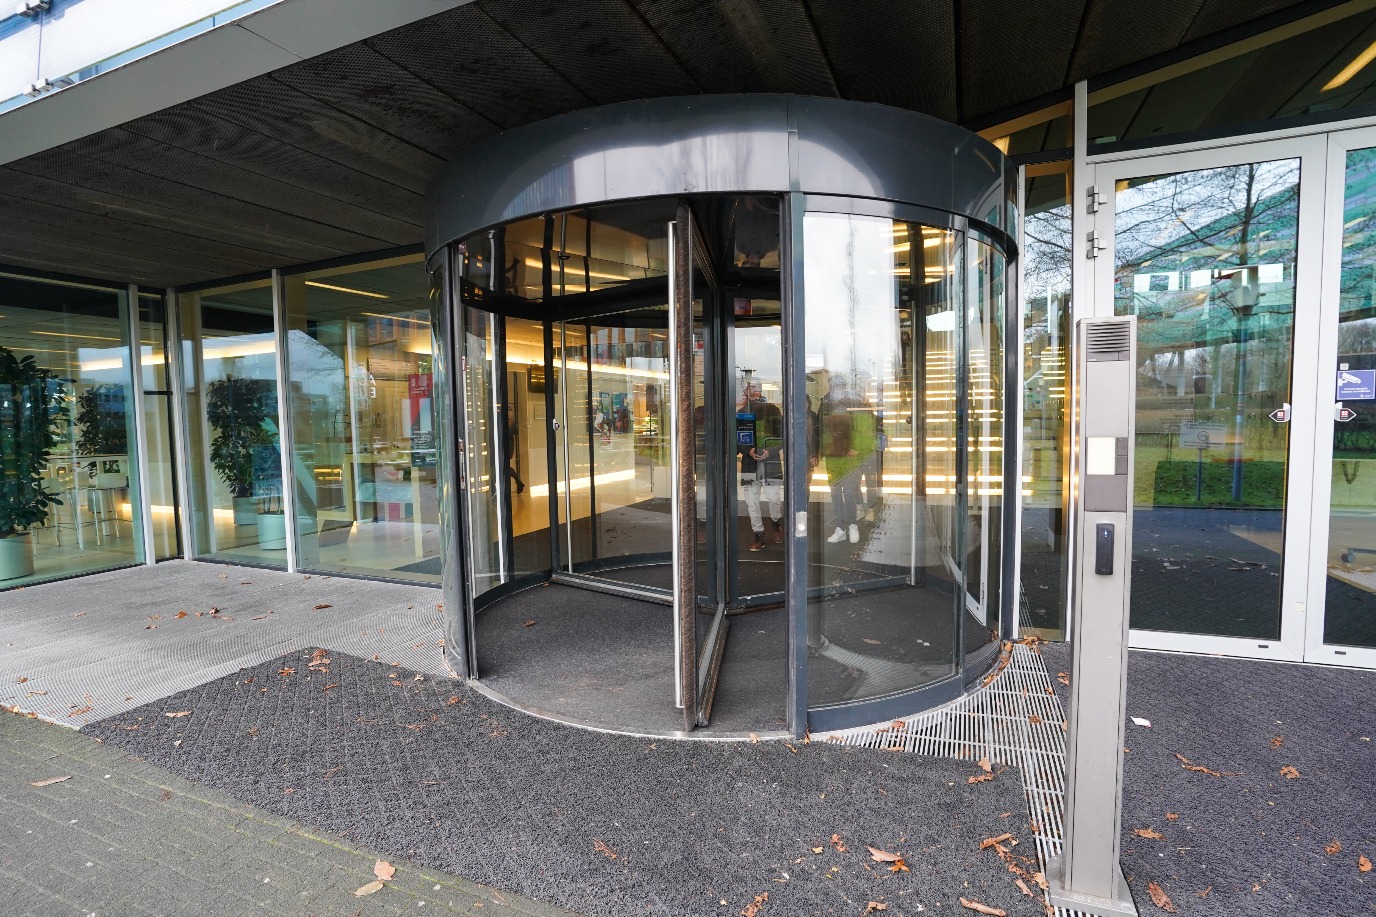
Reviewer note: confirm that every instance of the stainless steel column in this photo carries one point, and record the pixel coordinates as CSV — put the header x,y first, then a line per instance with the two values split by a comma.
x,y
1086,876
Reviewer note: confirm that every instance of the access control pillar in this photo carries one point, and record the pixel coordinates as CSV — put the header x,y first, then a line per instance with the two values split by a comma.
x,y
1086,876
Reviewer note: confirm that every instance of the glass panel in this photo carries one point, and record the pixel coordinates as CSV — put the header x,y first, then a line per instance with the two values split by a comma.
x,y
1350,591
235,472
984,447
66,432
526,438
1245,87
157,410
359,349
479,374
759,400
1046,337
1206,261
618,462
883,303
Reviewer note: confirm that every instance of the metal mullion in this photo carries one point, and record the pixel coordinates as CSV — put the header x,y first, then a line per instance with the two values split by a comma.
x,y
285,442
139,499
1010,397
798,471
551,454
181,442
961,491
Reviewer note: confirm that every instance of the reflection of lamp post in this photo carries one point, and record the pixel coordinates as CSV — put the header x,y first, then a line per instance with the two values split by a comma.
x,y
1246,286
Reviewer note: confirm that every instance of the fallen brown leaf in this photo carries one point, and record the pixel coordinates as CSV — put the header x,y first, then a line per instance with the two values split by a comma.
x,y
818,849
873,906
320,606
78,711
836,842
1148,833
603,849
50,781
1277,742
883,856
1289,772
1040,880
328,687
530,623
1204,893
1171,816
1335,847
179,713
1022,887
991,841
752,909
384,870
287,671
1363,864
979,908
373,886
179,615
979,778
985,766
1033,719
1160,898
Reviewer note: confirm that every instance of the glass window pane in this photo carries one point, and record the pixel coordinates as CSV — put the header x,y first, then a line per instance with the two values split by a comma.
x,y
235,472
984,446
1350,590
359,349
1206,261
66,432
882,306
162,485
1046,336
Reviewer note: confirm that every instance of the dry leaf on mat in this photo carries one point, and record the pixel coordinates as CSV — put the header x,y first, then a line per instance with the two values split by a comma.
x,y
1160,898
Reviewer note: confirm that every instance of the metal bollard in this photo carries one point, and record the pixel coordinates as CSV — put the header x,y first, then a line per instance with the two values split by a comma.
x,y
1086,877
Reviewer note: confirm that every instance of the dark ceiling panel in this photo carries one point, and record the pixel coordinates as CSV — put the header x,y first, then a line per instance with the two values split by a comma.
x,y
203,254
1039,37
146,191
1121,32
363,83
307,124
193,129
221,180
894,52
469,57
1217,15
596,45
743,46
64,255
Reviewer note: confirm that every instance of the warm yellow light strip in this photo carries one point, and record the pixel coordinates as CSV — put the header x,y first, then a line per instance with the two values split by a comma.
x,y
80,337
1352,69
349,290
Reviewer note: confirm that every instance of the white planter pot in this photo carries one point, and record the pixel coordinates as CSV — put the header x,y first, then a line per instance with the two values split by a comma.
x,y
272,531
16,556
245,510
109,481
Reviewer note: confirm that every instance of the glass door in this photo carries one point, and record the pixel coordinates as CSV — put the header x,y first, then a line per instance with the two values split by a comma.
x,y
1342,600
1216,254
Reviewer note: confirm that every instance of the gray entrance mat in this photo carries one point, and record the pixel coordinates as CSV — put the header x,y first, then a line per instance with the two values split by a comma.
x,y
603,824
1251,840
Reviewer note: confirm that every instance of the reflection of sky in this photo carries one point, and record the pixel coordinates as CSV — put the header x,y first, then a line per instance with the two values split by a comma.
x,y
850,292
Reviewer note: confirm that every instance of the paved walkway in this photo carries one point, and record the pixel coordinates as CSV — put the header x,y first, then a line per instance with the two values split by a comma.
x,y
124,837
80,650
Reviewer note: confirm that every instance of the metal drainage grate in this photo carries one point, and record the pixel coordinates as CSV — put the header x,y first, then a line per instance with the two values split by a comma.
x,y
996,722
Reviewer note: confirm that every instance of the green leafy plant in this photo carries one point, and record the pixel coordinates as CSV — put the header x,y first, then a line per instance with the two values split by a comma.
x,y
100,416
33,420
237,410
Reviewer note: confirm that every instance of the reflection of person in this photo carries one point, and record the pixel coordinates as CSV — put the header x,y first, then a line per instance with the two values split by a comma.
x,y
508,446
847,440
761,467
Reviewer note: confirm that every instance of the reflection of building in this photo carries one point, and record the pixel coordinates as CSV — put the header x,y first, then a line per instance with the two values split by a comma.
x,y
289,227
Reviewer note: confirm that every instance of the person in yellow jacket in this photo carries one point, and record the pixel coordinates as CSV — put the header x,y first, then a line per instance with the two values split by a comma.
x,y
848,438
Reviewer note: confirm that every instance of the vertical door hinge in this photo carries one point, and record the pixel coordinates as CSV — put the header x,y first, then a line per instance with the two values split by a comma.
x,y
1096,198
1094,245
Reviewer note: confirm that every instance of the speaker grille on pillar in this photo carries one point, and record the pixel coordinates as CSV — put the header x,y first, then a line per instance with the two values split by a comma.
x,y
1108,341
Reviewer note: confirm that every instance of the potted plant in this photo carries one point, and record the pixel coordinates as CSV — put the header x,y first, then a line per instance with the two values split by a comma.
x,y
32,421
237,410
267,487
100,416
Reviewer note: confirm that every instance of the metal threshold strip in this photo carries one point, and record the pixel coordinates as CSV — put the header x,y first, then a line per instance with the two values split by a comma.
x,y
1016,719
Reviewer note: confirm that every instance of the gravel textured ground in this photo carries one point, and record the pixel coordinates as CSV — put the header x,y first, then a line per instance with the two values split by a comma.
x,y
431,771
1252,840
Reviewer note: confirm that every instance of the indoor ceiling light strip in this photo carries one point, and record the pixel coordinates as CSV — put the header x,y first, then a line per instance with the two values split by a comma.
x,y
1352,69
82,337
349,290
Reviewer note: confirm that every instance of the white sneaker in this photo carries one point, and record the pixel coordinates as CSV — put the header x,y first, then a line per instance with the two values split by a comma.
x,y
837,536
854,534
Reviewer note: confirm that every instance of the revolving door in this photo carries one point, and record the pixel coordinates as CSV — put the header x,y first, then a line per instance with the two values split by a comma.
x,y
731,455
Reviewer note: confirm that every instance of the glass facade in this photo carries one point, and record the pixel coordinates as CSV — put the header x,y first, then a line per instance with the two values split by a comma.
x,y
68,462
234,476
360,397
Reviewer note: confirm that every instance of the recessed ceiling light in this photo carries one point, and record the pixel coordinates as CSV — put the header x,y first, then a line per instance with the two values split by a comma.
x,y
1352,69
349,290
